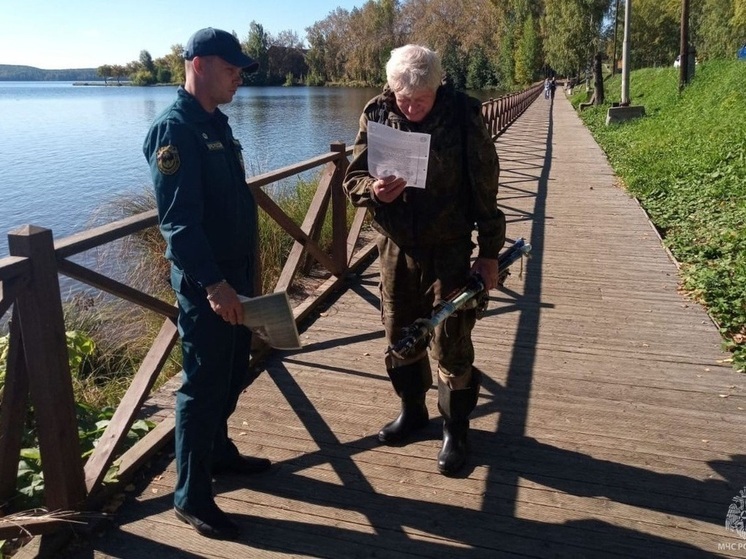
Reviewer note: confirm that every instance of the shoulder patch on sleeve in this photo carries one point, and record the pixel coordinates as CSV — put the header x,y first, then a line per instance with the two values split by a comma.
x,y
168,159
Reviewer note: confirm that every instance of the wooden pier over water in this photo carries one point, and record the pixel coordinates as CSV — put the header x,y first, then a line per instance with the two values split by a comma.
x,y
607,424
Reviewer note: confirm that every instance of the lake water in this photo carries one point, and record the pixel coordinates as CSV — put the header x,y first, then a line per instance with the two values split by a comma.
x,y
66,151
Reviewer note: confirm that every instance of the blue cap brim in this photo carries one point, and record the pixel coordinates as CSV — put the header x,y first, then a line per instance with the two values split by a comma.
x,y
246,63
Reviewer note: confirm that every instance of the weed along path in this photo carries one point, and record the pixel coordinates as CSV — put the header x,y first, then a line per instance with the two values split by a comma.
x,y
607,424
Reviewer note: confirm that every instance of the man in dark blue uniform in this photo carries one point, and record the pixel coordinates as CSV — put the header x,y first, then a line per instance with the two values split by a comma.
x,y
208,217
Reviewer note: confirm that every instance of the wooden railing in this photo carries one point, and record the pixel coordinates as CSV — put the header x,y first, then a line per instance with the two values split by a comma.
x,y
500,113
37,369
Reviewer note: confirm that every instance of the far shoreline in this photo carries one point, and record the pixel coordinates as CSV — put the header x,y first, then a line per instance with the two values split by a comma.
x,y
102,84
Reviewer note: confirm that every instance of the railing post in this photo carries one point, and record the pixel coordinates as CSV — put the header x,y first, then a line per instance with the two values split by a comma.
x,y
339,208
12,412
45,348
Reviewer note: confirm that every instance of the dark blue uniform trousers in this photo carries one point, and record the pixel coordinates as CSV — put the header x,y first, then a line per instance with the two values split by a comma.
x,y
215,371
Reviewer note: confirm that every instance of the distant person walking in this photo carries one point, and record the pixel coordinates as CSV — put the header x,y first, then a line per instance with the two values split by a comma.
x,y
547,87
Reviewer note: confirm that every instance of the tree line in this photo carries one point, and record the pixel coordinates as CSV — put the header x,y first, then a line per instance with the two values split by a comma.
x,y
483,43
13,72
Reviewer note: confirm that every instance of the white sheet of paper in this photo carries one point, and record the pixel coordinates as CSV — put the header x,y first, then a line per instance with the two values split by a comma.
x,y
398,153
271,318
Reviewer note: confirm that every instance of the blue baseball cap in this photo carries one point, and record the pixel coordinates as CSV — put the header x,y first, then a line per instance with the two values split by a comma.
x,y
216,42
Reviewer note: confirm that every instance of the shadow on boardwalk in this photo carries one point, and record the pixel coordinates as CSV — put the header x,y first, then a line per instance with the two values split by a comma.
x,y
607,425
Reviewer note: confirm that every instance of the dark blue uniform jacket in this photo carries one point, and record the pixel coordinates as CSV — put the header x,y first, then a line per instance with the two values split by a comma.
x,y
206,211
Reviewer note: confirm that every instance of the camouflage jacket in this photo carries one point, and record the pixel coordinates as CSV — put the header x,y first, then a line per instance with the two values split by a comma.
x,y
462,176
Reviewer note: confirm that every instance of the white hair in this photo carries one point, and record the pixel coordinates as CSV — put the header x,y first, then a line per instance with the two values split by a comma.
x,y
412,68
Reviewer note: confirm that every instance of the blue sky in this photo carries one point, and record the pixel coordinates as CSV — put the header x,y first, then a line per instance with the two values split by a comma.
x,y
53,34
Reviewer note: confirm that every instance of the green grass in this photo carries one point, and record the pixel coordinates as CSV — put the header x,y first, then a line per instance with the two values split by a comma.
x,y
275,243
686,163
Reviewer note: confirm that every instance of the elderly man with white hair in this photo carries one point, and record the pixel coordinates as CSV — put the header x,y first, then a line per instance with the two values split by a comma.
x,y
425,239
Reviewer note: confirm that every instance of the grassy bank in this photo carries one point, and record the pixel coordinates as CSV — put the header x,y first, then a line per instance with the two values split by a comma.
x,y
686,164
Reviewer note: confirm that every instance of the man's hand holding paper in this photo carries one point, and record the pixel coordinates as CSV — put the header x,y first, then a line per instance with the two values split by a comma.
x,y
395,156
388,189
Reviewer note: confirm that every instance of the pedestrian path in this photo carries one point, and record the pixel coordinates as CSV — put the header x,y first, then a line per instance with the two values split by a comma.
x,y
608,424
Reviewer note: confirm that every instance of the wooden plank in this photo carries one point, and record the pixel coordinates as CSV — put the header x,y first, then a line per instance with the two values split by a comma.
x,y
127,410
354,235
276,213
13,267
584,442
14,399
264,179
331,285
92,238
9,290
136,457
134,461
45,350
121,290
21,526
314,218
339,210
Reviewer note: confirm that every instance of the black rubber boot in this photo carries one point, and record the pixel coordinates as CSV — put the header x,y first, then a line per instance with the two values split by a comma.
x,y
411,383
455,406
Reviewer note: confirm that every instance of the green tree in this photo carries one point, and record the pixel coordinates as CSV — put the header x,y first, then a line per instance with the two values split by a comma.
x,y
147,61
119,72
722,29
316,59
326,56
174,61
105,72
510,18
132,68
453,64
655,32
163,74
256,46
506,61
286,58
283,62
479,72
366,60
143,77
387,34
572,31
527,59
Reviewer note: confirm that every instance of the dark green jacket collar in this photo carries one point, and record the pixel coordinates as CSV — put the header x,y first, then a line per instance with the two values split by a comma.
x,y
195,110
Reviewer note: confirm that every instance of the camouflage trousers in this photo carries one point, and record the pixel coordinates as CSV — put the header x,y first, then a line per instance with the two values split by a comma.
x,y
413,281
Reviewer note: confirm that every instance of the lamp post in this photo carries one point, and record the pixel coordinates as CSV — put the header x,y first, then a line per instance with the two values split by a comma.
x,y
623,110
625,54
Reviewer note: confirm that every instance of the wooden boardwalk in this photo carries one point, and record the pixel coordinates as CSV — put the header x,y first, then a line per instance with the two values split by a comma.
x,y
607,424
